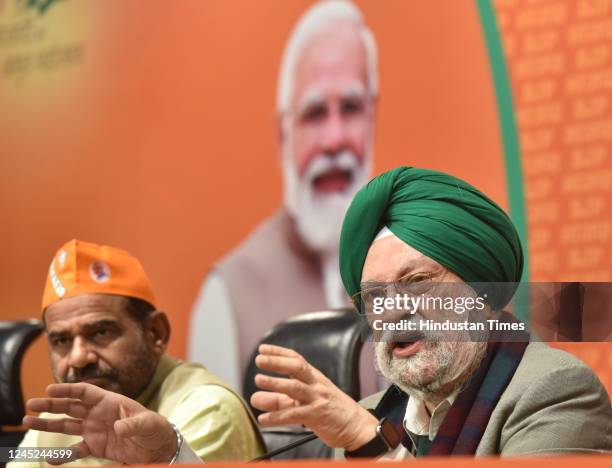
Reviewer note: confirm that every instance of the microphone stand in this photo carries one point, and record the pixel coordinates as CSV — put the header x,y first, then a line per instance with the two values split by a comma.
x,y
273,453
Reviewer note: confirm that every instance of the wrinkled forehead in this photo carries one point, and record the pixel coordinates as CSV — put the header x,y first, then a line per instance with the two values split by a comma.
x,y
390,258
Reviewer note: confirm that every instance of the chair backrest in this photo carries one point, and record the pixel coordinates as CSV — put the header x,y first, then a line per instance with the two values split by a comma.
x,y
331,341
15,337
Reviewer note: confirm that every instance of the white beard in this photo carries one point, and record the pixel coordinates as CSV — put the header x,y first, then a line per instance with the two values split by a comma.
x,y
319,217
433,368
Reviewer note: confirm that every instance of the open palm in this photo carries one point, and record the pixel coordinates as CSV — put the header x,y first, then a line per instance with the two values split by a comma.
x,y
112,426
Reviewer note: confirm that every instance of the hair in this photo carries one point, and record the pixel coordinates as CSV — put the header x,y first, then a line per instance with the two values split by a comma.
x,y
138,309
315,19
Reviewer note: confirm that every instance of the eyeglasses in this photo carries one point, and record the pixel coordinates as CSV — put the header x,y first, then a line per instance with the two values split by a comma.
x,y
412,284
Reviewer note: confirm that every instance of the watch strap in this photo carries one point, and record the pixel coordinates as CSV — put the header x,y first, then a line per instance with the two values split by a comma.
x,y
380,444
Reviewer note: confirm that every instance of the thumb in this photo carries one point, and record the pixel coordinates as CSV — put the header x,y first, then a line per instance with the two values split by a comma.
x,y
132,426
151,432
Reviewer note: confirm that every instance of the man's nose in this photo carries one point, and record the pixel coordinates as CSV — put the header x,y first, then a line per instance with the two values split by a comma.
x,y
395,315
81,354
335,133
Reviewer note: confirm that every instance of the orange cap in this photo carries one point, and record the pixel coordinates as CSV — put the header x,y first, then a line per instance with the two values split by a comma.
x,y
84,268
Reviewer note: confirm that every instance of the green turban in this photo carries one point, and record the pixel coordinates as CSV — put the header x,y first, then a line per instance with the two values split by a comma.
x,y
439,215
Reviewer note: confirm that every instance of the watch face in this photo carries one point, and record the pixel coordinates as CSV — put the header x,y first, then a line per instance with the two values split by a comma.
x,y
389,433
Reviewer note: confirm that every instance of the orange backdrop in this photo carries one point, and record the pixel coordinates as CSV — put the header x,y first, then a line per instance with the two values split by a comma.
x,y
151,127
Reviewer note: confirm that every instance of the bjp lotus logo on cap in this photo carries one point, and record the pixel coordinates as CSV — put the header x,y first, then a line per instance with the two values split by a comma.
x,y
99,272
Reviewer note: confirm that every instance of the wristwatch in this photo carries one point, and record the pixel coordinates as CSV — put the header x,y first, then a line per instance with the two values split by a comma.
x,y
387,438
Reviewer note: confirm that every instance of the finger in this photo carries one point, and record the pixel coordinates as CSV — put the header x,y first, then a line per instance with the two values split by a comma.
x,y
297,368
269,401
290,387
296,415
79,450
68,406
275,350
62,425
89,394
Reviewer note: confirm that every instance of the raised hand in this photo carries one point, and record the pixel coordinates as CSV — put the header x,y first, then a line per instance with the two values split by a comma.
x,y
113,426
308,397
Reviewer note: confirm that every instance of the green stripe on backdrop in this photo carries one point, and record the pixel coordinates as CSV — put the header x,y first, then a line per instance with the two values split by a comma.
x,y
509,133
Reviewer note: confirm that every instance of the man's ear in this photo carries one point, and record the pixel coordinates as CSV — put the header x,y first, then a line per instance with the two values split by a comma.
x,y
157,330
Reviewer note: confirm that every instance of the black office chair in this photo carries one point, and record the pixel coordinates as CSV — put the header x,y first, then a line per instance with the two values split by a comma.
x,y
15,337
331,341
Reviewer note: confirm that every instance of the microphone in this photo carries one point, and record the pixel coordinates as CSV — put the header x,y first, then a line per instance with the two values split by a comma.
x,y
292,445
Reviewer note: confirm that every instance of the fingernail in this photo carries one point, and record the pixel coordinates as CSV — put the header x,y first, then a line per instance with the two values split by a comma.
x,y
260,359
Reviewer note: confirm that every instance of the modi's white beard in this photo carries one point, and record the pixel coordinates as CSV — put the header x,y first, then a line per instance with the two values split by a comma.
x,y
319,217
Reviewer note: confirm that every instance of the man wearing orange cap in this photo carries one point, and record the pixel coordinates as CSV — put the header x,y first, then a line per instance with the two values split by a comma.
x,y
126,400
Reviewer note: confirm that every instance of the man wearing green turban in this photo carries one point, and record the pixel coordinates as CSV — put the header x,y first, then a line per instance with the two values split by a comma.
x,y
501,395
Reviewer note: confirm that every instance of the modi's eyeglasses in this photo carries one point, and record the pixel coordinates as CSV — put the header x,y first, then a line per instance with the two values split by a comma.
x,y
412,283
